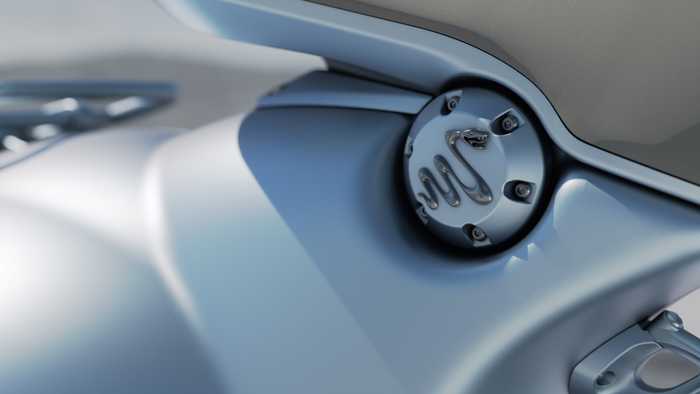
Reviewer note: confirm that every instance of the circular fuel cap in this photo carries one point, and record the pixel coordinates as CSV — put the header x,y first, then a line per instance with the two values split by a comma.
x,y
474,168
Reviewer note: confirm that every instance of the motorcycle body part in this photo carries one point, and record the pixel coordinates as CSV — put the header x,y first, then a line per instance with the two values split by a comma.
x,y
379,46
474,168
660,357
279,253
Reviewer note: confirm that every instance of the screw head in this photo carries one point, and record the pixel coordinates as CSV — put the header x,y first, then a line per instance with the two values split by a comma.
x,y
606,378
478,234
422,215
509,123
449,138
522,190
451,104
675,320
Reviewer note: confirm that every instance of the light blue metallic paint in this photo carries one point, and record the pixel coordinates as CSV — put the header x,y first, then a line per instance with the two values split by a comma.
x,y
419,58
281,258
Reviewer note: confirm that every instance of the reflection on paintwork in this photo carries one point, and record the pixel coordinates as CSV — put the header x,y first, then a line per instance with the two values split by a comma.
x,y
80,314
623,75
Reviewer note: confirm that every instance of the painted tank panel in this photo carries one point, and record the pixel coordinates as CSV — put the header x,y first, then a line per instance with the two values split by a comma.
x,y
622,75
227,260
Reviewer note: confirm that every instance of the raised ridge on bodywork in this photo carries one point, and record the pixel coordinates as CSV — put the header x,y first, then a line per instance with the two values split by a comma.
x,y
421,59
622,75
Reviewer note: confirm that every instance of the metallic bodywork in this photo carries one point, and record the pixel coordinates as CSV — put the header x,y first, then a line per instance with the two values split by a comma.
x,y
409,56
653,357
622,75
276,251
244,271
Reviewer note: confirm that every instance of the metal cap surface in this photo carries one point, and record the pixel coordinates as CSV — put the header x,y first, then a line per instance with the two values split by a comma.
x,y
474,167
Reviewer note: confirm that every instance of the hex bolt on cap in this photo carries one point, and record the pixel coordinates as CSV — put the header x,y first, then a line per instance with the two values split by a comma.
x,y
478,234
451,104
509,123
523,190
461,165
675,320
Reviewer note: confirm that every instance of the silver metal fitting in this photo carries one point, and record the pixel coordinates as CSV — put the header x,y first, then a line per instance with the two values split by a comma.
x,y
460,168
509,123
523,190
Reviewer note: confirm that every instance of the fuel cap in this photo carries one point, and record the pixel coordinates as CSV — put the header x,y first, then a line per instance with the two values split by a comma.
x,y
474,168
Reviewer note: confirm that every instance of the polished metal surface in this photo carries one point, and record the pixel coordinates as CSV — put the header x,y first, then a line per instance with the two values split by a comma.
x,y
474,168
654,357
447,322
406,55
274,252
202,233
667,369
622,75
84,301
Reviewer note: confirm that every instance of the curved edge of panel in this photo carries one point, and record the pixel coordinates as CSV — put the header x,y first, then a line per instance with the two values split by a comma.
x,y
424,60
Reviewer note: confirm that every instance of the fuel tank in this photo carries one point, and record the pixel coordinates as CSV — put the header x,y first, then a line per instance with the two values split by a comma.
x,y
623,76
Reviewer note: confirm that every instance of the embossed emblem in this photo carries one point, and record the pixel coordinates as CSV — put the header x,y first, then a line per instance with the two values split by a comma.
x,y
480,192
461,140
